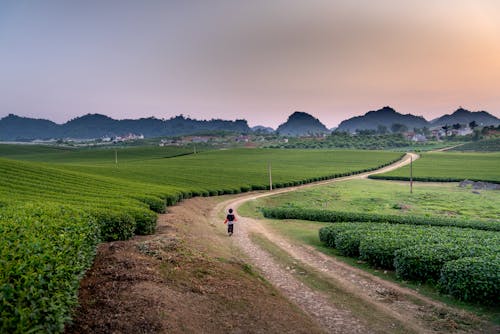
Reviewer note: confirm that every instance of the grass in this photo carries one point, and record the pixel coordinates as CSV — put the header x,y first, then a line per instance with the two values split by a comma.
x,y
450,167
121,198
391,198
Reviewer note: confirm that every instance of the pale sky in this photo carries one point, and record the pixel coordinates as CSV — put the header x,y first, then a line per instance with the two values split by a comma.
x,y
259,60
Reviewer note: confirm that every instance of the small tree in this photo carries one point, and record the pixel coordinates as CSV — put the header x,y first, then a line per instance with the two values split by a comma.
x,y
457,126
398,128
473,125
382,129
445,128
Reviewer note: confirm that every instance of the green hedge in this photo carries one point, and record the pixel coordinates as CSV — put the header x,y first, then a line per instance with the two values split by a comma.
x,y
114,225
341,216
424,262
44,251
420,253
473,279
429,178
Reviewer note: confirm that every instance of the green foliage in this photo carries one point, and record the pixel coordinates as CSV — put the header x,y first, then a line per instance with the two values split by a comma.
x,y
450,167
85,196
424,253
473,279
347,141
345,216
114,225
424,261
488,145
44,252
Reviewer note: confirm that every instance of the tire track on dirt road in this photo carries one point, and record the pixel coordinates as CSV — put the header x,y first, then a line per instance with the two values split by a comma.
x,y
417,313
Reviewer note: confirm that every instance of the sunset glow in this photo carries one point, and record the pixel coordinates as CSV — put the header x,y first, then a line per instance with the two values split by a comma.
x,y
258,60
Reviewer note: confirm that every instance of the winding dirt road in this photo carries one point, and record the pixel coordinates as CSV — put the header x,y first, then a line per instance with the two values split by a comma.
x,y
374,304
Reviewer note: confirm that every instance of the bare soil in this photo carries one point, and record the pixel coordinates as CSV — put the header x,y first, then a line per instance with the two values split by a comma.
x,y
190,277
183,279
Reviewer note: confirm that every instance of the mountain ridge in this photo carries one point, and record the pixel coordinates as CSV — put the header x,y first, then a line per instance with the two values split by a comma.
x,y
89,126
300,123
14,128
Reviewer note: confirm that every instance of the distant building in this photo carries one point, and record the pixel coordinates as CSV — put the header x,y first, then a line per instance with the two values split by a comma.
x,y
419,138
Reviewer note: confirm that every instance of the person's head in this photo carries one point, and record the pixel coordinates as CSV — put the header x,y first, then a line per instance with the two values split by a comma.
x,y
230,210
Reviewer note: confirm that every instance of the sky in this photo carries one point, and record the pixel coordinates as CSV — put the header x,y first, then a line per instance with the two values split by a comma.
x,y
258,60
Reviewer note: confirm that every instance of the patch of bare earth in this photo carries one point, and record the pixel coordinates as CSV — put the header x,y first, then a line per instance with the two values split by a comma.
x,y
183,279
190,277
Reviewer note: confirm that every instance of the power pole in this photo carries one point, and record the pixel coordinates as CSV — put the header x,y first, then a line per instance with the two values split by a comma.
x,y
411,174
194,148
270,177
116,158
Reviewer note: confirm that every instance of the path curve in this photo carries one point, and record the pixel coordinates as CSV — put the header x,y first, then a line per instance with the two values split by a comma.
x,y
402,304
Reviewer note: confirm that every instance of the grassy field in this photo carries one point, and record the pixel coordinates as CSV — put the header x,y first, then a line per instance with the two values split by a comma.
x,y
390,198
416,253
451,167
44,187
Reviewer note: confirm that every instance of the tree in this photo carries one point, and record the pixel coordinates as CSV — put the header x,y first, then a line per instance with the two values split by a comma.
x,y
445,128
398,128
382,129
457,126
473,125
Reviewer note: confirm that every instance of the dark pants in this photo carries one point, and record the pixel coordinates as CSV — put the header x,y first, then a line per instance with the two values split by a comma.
x,y
230,228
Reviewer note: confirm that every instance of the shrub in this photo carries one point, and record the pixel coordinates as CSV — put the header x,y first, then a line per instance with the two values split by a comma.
x,y
425,261
473,279
145,221
343,216
154,203
44,251
114,225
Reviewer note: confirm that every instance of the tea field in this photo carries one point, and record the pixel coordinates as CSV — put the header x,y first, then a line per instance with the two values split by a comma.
x,y
465,263
57,204
450,167
383,200
442,234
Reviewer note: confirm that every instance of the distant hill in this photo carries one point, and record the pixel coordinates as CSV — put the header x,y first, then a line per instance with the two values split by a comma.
x,y
13,127
464,116
301,124
383,117
262,129
88,126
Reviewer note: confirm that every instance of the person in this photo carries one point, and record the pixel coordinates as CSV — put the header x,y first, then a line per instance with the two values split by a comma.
x,y
230,219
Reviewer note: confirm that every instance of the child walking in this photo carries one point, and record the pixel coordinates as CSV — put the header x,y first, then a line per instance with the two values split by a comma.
x,y
230,219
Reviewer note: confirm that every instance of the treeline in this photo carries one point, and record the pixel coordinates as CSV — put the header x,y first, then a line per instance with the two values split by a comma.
x,y
365,140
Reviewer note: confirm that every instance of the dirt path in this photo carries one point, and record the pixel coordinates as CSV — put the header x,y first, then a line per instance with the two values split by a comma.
x,y
417,313
444,149
189,277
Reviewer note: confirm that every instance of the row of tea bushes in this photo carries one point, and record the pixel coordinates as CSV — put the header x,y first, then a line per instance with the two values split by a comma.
x,y
426,253
44,252
345,216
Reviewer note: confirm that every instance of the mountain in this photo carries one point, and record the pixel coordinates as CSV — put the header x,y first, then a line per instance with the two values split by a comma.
x,y
301,124
464,116
14,127
262,129
383,117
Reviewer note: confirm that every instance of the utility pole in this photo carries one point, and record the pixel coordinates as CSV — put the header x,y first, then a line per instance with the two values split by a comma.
x,y
116,158
194,148
270,177
411,174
